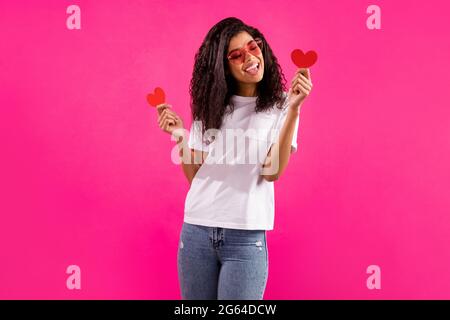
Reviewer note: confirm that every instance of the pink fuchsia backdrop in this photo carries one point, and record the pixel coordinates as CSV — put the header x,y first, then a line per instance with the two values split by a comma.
x,y
86,173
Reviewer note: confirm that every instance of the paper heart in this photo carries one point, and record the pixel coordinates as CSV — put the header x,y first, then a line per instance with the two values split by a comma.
x,y
303,60
157,97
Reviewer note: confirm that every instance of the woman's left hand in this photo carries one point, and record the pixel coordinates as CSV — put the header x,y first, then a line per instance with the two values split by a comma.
x,y
301,86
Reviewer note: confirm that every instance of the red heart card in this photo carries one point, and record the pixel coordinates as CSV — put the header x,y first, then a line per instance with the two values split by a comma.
x,y
156,98
303,60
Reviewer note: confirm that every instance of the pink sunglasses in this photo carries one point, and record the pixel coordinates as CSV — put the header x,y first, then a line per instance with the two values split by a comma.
x,y
237,56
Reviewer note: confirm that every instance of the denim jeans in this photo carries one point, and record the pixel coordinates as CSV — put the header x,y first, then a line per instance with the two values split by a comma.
x,y
221,263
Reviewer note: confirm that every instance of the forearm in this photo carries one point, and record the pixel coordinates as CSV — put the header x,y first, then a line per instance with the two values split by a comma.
x,y
280,152
190,161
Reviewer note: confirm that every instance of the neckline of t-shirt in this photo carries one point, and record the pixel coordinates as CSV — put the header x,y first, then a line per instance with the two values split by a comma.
x,y
236,98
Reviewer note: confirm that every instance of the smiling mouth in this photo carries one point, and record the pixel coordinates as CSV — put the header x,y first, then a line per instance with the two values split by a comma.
x,y
253,69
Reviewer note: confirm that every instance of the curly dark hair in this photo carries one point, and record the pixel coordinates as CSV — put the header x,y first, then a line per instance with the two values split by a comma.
x,y
212,84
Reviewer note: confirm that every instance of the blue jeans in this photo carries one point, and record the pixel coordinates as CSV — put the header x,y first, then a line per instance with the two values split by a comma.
x,y
221,263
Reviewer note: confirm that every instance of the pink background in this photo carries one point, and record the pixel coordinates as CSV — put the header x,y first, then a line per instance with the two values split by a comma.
x,y
87,177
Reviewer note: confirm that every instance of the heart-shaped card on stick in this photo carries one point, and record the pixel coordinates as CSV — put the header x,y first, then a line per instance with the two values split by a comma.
x,y
303,60
157,97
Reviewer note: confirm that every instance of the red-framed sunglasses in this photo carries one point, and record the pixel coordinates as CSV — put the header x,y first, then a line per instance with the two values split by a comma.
x,y
254,46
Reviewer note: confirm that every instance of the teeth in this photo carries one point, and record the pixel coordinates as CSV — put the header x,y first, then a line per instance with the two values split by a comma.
x,y
252,67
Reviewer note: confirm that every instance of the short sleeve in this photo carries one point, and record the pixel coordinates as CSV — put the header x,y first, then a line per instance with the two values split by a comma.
x,y
196,138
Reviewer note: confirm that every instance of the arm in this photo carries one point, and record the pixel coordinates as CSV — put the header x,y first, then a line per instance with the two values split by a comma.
x,y
191,160
279,153
170,122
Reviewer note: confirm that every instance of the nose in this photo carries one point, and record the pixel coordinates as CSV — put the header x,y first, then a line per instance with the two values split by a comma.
x,y
248,56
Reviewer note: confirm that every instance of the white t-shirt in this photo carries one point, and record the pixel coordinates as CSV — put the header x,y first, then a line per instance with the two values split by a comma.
x,y
228,190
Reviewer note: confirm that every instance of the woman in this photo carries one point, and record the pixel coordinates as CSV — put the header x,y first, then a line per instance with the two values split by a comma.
x,y
237,85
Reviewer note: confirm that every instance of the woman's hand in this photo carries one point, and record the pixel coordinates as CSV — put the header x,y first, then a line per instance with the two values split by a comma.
x,y
301,86
168,120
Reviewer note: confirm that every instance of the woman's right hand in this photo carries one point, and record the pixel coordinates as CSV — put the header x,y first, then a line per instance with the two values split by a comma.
x,y
168,120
